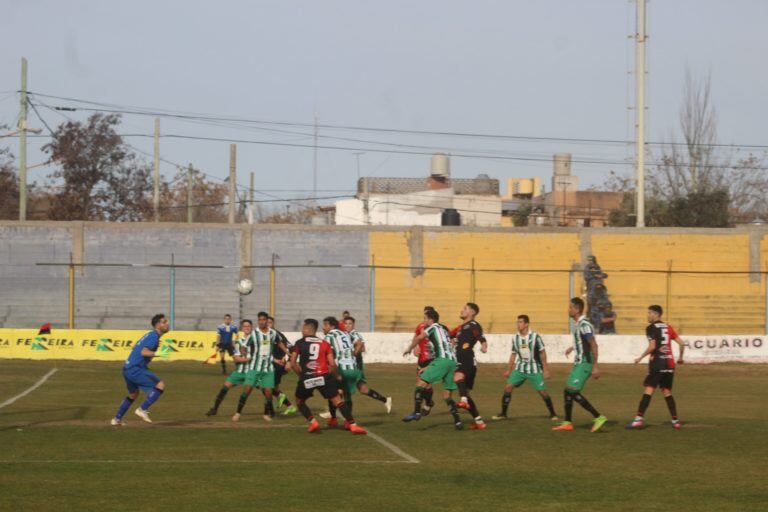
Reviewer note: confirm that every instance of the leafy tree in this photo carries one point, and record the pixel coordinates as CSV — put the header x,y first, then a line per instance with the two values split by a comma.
x,y
102,178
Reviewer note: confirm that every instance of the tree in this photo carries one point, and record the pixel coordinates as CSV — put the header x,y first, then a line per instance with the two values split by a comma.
x,y
9,184
102,178
696,182
210,200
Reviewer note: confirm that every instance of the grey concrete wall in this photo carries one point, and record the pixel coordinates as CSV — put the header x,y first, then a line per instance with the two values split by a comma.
x,y
125,297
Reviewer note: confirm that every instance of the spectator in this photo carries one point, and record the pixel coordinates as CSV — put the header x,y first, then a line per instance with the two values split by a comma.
x,y
607,318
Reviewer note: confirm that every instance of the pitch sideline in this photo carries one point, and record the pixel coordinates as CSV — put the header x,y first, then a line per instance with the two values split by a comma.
x,y
30,389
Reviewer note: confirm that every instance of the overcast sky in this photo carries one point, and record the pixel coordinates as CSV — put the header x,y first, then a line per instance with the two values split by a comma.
x,y
524,68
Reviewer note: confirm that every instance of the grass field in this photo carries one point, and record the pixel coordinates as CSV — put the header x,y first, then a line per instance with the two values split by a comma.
x,y
58,451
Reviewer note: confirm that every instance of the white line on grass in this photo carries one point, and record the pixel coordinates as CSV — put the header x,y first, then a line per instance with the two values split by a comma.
x,y
192,461
29,390
397,451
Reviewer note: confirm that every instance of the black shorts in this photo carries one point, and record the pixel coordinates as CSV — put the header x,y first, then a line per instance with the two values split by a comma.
x,y
329,388
229,348
279,372
469,370
660,379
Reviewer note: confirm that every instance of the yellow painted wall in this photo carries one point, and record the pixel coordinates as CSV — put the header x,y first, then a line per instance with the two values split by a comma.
x,y
400,296
696,304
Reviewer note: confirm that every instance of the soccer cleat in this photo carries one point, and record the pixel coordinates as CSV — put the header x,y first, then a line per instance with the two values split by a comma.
x,y
598,423
291,410
116,422
314,426
211,412
388,404
458,425
144,415
478,425
425,410
412,417
462,404
281,400
357,430
325,415
676,424
565,426
267,418
635,423
346,425
500,417
236,417
333,422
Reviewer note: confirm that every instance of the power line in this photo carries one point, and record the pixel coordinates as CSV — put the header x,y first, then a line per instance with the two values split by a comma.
x,y
114,108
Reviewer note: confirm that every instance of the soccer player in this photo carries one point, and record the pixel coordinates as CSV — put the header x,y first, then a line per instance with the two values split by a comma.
x,y
137,375
440,369
280,369
263,365
244,352
661,365
467,335
527,362
359,347
424,357
224,334
312,360
584,366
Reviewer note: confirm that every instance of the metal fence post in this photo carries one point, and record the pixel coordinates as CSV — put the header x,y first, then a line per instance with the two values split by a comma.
x,y
272,285
571,291
668,308
71,317
372,292
766,300
472,282
172,312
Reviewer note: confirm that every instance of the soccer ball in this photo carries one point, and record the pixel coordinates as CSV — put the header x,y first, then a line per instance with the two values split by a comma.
x,y
245,286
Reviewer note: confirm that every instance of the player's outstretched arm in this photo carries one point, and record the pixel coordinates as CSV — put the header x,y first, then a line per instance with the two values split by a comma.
x,y
292,363
510,364
145,352
414,343
681,343
544,364
648,350
593,347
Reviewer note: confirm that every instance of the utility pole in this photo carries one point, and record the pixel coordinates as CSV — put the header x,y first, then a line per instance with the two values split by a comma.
x,y
640,38
232,181
23,143
189,194
357,157
156,172
314,162
250,198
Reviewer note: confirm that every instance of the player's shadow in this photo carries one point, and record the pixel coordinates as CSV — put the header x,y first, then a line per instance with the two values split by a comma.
x,y
77,413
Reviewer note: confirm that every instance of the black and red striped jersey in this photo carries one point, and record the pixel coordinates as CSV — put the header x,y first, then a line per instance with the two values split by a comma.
x,y
312,356
662,357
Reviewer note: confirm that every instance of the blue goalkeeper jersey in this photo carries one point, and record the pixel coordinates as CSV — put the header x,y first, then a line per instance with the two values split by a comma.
x,y
151,340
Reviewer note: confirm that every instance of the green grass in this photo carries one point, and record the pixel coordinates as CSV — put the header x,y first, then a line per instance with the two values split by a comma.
x,y
717,462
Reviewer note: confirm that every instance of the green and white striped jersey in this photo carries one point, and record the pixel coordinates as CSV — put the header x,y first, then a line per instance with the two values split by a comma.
x,y
440,342
343,349
265,344
246,346
355,337
582,332
528,351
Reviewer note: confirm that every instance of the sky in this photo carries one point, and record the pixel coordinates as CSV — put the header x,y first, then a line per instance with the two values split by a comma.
x,y
549,69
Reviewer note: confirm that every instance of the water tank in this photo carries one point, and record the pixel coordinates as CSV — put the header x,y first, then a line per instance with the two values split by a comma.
x,y
451,217
441,165
524,187
562,163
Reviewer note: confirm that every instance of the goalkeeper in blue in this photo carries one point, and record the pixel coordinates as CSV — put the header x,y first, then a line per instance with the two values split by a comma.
x,y
137,375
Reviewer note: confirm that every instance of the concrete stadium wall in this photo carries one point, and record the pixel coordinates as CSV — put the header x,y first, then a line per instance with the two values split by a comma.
x,y
125,297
